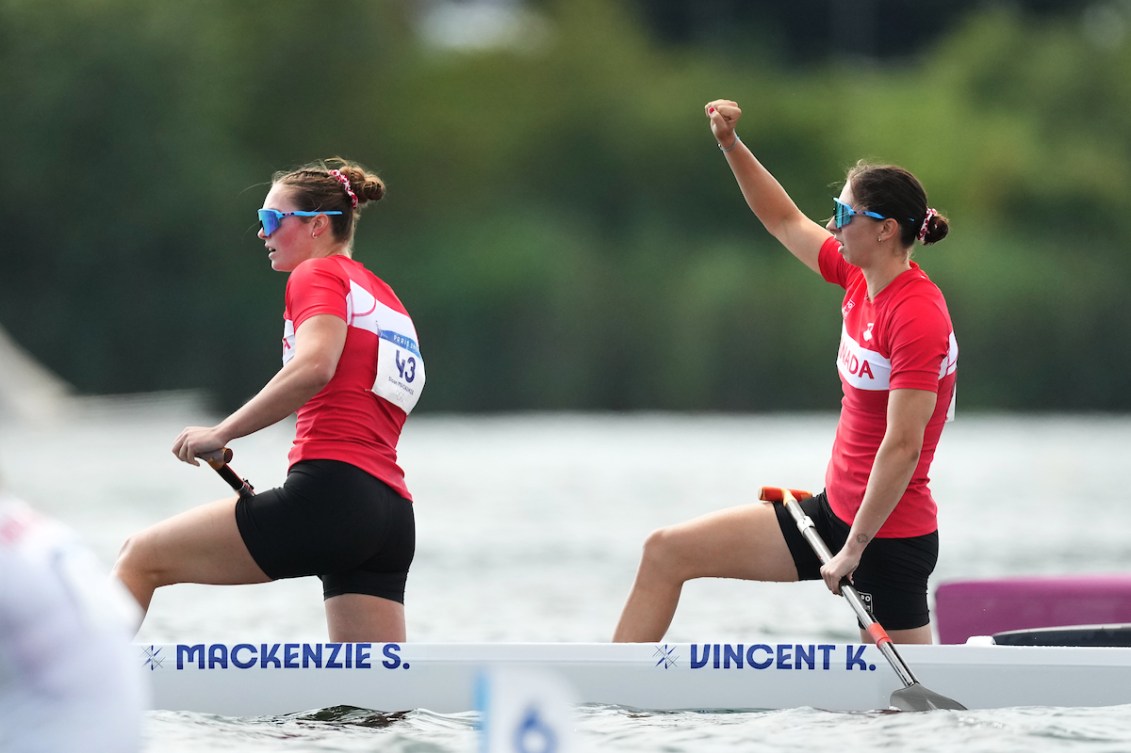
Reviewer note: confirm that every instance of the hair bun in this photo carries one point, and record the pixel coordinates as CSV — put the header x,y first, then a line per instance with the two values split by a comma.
x,y
370,188
935,228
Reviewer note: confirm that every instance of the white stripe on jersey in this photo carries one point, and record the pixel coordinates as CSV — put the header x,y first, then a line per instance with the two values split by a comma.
x,y
866,369
862,368
950,365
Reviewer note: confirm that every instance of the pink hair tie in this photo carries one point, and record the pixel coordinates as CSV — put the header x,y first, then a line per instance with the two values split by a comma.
x,y
926,222
346,185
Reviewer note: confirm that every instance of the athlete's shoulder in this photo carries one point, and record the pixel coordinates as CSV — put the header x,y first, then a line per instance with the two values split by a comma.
x,y
322,273
922,289
918,282
377,287
319,265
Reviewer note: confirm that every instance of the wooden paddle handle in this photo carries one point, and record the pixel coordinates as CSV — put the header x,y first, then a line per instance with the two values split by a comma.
x,y
219,457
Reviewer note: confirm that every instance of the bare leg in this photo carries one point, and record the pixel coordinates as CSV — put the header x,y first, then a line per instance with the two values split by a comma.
x,y
201,545
741,542
359,618
914,635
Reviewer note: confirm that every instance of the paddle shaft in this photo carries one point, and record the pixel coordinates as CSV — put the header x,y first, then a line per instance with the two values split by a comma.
x,y
219,463
874,629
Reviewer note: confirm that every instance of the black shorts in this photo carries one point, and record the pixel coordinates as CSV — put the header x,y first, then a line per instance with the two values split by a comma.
x,y
892,575
333,520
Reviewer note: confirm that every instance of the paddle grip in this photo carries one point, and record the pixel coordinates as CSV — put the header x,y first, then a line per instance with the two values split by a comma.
x,y
219,463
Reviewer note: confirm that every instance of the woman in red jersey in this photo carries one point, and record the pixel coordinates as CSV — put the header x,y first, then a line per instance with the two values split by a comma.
x,y
352,371
897,362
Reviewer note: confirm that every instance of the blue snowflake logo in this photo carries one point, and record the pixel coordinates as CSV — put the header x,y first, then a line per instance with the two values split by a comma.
x,y
667,656
152,657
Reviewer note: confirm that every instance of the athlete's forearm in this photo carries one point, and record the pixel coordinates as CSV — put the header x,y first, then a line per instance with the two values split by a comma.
x,y
895,463
763,193
774,208
286,392
318,345
891,473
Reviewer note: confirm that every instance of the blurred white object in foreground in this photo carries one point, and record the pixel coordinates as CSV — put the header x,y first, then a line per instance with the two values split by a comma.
x,y
526,711
69,680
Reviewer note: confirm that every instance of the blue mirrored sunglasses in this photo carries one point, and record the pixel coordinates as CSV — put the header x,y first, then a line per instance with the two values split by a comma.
x,y
269,219
845,213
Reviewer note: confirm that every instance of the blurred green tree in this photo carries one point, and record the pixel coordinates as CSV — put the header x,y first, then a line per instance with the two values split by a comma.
x,y
558,221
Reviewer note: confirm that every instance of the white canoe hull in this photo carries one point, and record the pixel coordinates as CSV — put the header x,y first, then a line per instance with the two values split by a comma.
x,y
252,679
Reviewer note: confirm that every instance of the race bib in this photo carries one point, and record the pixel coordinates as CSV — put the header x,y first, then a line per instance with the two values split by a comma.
x,y
400,367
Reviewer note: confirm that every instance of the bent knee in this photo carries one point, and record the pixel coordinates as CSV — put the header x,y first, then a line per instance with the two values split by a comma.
x,y
665,551
658,543
129,551
139,559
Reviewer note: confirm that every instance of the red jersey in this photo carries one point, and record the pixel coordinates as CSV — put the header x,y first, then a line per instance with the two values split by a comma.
x,y
357,417
902,340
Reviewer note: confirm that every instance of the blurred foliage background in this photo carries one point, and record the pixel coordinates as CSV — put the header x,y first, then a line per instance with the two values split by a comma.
x,y
559,221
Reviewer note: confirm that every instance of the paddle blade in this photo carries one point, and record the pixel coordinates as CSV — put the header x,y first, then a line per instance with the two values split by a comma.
x,y
917,698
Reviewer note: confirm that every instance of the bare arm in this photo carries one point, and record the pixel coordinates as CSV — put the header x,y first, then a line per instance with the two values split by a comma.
x,y
907,417
763,194
318,346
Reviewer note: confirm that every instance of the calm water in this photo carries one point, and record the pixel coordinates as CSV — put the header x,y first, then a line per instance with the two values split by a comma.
x,y
529,530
